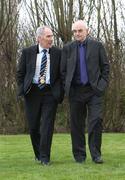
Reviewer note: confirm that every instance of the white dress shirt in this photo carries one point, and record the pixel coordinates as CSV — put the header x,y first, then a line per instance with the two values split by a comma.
x,y
38,65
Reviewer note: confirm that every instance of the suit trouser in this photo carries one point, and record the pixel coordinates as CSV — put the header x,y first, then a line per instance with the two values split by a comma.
x,y
41,111
84,103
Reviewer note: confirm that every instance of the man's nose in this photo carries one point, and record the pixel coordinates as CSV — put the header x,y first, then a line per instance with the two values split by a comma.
x,y
51,38
77,32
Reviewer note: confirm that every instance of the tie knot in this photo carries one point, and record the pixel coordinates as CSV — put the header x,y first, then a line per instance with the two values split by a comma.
x,y
80,45
44,51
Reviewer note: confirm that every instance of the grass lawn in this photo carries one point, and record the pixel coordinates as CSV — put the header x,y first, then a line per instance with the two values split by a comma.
x,y
17,160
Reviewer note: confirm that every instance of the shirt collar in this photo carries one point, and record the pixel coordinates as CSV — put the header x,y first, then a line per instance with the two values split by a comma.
x,y
83,43
41,48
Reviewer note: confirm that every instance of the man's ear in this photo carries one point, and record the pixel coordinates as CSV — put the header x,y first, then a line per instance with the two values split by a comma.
x,y
88,31
38,39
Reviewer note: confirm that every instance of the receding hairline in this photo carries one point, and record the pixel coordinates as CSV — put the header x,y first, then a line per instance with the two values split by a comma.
x,y
40,30
79,23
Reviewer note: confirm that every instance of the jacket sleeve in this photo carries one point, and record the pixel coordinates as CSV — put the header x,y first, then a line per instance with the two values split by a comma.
x,y
104,69
104,64
63,64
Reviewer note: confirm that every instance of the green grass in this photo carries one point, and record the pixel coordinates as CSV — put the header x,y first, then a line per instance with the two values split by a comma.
x,y
17,160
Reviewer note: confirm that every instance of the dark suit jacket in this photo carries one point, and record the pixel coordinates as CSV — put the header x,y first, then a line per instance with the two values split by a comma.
x,y
96,62
26,71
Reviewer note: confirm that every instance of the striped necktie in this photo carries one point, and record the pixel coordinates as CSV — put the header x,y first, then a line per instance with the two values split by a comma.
x,y
42,78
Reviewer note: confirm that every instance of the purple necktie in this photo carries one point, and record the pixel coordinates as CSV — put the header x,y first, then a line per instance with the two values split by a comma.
x,y
83,69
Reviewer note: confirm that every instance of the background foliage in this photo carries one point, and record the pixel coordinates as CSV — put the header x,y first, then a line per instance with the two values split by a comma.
x,y
18,22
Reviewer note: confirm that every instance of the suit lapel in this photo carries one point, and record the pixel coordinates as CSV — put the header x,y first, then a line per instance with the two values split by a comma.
x,y
34,56
73,57
51,60
88,49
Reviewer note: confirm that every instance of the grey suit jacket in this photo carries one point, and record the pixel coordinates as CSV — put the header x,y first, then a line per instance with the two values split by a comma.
x,y
26,71
96,62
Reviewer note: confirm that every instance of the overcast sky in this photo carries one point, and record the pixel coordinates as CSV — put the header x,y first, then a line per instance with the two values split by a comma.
x,y
24,15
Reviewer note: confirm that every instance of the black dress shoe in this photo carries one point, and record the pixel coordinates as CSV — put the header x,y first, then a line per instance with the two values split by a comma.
x,y
80,160
98,160
45,163
37,159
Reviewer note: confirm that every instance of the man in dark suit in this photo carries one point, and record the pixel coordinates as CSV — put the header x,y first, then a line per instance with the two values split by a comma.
x,y
38,79
85,71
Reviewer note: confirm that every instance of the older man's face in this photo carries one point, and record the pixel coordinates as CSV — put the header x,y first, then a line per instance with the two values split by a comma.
x,y
46,39
79,31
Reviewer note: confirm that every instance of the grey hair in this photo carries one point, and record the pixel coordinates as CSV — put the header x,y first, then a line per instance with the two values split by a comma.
x,y
40,31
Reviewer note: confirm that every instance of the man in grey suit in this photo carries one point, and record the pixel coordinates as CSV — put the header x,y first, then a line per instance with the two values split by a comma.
x,y
38,78
85,72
